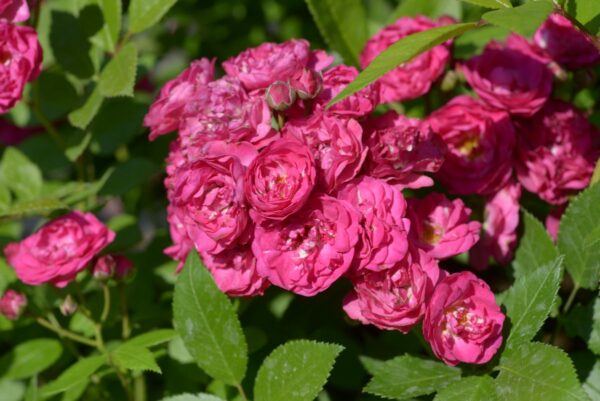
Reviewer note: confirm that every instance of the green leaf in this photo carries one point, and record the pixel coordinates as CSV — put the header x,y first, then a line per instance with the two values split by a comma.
x,y
22,176
143,14
135,357
343,24
30,358
34,207
591,384
118,77
495,4
401,52
408,376
529,301
524,19
578,235
109,34
128,175
190,397
75,393
208,324
178,352
536,371
284,374
82,117
12,390
5,197
153,338
594,338
77,143
74,375
587,12
536,248
431,8
474,388
596,176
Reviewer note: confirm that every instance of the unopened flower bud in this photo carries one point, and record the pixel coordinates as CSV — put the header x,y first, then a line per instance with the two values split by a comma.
x,y
307,83
12,304
123,268
450,80
68,306
280,95
104,268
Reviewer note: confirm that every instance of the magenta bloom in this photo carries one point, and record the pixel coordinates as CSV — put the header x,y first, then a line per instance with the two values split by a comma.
x,y
480,144
509,80
307,83
553,220
394,299
441,226
166,112
565,44
499,233
557,152
336,144
307,253
59,250
463,323
182,244
22,60
235,273
280,180
109,266
356,105
11,135
412,79
383,239
401,149
12,304
14,10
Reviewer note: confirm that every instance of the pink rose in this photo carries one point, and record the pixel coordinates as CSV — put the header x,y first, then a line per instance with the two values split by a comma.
x,y
258,67
280,180
222,110
12,304
412,79
234,271
307,83
509,80
182,244
356,105
14,10
383,239
109,266
22,60
336,145
463,323
553,220
59,250
499,230
166,112
557,152
401,149
565,44
311,250
441,226
394,299
208,199
480,143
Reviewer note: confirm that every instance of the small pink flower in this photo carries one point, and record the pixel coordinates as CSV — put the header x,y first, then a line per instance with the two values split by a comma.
x,y
463,322
565,44
21,62
394,299
401,149
499,230
166,112
59,250
12,304
383,240
336,145
280,180
307,83
280,95
412,79
557,152
480,144
441,226
182,244
14,10
356,105
509,80
234,271
308,252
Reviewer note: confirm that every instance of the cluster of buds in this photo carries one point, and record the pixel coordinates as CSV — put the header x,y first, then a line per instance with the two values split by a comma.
x,y
305,84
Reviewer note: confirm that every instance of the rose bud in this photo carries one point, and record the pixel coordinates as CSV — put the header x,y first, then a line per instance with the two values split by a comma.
x,y
104,268
12,304
307,83
280,95
68,306
124,267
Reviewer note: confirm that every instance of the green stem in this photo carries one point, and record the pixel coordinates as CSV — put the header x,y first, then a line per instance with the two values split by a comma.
x,y
106,307
65,333
126,328
570,299
242,392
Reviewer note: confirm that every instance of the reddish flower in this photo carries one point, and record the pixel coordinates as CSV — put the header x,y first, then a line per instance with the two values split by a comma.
x,y
12,304
14,10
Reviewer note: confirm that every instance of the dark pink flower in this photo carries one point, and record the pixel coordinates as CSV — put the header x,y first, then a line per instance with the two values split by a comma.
x,y
307,83
14,10
59,250
463,322
394,299
11,135
480,144
182,244
414,78
12,304
557,152
441,226
383,239
312,249
336,145
509,80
